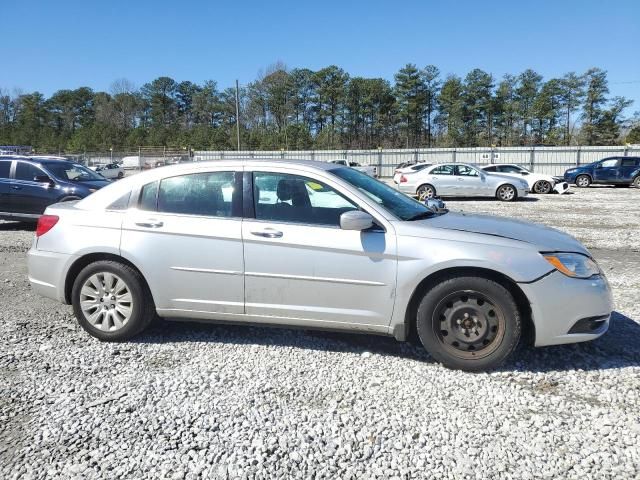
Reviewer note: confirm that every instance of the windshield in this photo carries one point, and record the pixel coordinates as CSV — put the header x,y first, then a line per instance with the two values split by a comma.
x,y
402,206
71,171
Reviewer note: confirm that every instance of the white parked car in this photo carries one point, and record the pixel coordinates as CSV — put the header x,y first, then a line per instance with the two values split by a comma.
x,y
370,170
416,167
461,180
538,182
111,170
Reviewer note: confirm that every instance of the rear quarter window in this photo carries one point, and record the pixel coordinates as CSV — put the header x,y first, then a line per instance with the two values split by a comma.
x,y
5,168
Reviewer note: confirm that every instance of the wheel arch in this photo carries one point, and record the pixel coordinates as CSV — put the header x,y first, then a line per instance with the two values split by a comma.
x,y
77,266
407,330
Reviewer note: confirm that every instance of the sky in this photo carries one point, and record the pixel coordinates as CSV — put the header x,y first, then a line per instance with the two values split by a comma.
x,y
47,45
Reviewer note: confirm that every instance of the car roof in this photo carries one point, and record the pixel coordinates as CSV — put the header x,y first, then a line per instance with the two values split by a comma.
x,y
35,158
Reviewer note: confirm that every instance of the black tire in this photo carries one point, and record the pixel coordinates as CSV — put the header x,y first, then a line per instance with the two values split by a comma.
x,y
636,182
583,181
542,187
507,193
120,174
142,309
425,191
488,339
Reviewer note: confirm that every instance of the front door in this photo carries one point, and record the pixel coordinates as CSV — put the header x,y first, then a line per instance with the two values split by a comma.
x,y
469,183
607,171
443,179
302,268
185,236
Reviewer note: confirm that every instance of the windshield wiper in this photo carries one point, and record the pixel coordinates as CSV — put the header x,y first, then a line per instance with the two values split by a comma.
x,y
421,215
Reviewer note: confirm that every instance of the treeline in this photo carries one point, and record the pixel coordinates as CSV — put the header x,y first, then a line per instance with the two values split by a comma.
x,y
325,109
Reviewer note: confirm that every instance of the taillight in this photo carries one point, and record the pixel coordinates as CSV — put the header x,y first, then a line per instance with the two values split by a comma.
x,y
403,179
46,223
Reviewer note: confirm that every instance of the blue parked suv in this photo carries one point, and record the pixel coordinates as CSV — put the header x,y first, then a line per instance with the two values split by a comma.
x,y
28,185
623,171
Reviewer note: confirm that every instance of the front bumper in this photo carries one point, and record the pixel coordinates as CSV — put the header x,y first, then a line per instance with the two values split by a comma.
x,y
47,272
560,305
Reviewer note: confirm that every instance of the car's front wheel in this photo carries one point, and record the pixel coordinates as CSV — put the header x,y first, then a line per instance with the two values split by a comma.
x,y
542,187
636,182
425,191
120,174
583,181
469,323
111,301
507,193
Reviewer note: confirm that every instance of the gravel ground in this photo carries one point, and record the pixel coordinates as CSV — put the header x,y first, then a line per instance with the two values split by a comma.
x,y
207,401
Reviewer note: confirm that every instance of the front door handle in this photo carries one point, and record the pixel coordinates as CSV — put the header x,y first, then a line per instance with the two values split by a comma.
x,y
460,179
268,233
16,187
150,224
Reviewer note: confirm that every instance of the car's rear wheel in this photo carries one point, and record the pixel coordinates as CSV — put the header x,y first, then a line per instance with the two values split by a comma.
x,y
542,187
111,301
469,323
583,181
120,174
636,182
507,193
425,191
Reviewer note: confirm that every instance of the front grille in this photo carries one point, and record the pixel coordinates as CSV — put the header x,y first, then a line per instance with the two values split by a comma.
x,y
589,325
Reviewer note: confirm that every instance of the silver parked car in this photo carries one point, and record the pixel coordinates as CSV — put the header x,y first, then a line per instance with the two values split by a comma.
x,y
461,180
313,245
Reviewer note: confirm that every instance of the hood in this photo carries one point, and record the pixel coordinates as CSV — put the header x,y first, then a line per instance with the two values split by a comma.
x,y
91,183
544,239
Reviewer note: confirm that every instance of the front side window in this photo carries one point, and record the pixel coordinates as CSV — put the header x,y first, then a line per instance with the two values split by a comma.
x,y
443,170
612,162
68,171
27,172
283,197
510,169
490,169
465,171
209,194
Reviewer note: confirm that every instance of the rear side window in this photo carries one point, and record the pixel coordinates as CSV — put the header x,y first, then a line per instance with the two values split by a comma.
x,y
443,170
490,169
208,194
630,162
26,171
5,168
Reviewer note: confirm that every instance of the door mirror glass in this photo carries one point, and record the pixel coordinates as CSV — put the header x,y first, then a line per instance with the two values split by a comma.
x,y
355,220
42,179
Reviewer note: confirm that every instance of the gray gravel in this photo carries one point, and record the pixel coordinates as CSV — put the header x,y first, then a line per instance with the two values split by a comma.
x,y
205,401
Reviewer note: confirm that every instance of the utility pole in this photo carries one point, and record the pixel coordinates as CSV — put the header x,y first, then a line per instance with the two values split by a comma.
x,y
238,114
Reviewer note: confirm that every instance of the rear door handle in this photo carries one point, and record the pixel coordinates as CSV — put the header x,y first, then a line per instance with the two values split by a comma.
x,y
150,224
16,187
268,233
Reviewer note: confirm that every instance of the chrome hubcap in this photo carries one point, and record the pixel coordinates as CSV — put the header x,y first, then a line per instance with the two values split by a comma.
x,y
106,301
506,193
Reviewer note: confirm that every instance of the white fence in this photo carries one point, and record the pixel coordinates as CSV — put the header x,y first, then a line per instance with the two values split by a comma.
x,y
550,160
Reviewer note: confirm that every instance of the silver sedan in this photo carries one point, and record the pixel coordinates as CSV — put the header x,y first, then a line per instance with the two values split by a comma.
x,y
461,180
313,245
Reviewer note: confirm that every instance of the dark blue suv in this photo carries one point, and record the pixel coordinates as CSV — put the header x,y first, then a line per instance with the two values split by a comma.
x,y
28,185
610,171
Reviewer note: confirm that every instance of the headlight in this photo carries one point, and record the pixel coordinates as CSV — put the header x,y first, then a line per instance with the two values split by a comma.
x,y
573,264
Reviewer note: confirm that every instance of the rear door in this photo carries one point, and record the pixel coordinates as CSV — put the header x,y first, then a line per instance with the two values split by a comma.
x,y
28,196
627,167
184,233
5,174
607,171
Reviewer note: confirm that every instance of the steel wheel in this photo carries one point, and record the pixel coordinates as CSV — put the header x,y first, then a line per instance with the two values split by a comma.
x,y
106,301
507,193
542,186
583,181
425,192
468,324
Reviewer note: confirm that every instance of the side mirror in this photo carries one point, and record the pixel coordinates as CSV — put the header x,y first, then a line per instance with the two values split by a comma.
x,y
43,179
355,220
524,173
